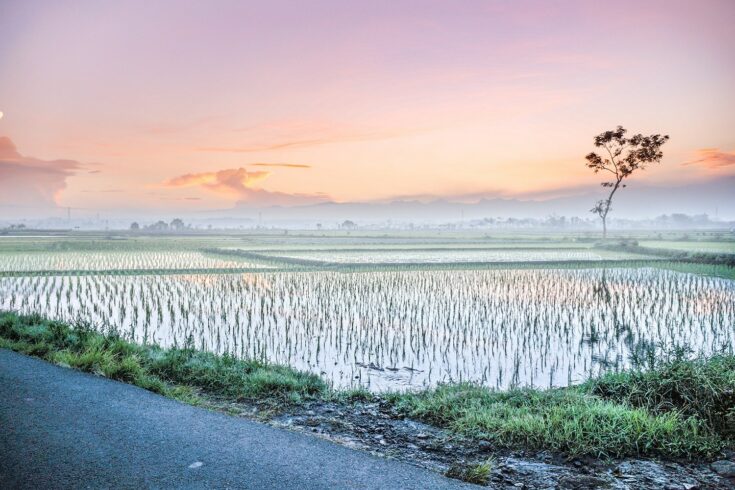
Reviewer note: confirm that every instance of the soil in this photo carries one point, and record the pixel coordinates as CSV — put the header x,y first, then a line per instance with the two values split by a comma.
x,y
375,426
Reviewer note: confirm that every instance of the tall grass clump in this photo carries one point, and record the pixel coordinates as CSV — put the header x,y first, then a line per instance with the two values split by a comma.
x,y
702,387
567,420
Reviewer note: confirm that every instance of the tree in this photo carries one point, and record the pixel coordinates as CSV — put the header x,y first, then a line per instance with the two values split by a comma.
x,y
158,226
134,226
621,158
177,224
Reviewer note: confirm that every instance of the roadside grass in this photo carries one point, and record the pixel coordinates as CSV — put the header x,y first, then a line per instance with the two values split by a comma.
x,y
181,373
674,408
672,383
569,421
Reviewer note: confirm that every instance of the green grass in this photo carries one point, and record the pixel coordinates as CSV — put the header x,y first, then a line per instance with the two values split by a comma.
x,y
703,263
569,421
674,408
715,270
180,373
693,246
479,474
701,388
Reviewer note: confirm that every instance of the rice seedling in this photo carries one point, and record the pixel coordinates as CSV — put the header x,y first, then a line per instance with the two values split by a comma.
x,y
387,329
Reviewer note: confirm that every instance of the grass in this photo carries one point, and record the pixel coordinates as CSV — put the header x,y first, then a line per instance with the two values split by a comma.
x,y
182,373
717,264
675,408
715,270
686,256
722,246
569,421
700,388
478,474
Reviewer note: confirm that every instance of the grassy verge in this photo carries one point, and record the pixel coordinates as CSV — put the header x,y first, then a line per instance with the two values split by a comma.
x,y
569,421
179,373
676,408
703,389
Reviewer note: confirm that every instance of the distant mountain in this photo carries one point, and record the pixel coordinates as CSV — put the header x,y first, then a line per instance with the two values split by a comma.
x,y
715,198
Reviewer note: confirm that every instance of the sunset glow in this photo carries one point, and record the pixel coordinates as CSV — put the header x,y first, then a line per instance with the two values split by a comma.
x,y
182,106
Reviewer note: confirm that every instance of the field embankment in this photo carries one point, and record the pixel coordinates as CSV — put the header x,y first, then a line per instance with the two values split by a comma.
x,y
693,256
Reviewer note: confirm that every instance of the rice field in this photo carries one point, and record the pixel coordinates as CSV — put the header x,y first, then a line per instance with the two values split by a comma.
x,y
387,329
116,260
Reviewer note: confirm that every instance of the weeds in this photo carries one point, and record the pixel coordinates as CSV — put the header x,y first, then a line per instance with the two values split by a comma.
x,y
567,421
703,388
478,474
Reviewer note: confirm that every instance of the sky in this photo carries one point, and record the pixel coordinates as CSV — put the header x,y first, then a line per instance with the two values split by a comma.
x,y
183,106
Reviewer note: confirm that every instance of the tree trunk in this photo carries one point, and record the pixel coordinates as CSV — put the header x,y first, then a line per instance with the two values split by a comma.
x,y
607,207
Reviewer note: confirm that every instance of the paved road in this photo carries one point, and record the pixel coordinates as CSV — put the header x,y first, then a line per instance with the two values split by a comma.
x,y
60,428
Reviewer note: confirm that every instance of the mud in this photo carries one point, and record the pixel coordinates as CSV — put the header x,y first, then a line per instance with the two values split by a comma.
x,y
376,427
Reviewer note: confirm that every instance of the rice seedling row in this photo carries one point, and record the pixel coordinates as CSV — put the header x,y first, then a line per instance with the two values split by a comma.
x,y
123,260
390,329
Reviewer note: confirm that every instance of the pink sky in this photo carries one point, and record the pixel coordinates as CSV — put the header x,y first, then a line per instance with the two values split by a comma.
x,y
199,105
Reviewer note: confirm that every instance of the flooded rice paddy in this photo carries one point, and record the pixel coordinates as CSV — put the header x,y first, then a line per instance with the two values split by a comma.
x,y
118,260
396,330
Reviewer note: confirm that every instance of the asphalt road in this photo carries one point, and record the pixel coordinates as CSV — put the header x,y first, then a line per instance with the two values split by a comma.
x,y
60,428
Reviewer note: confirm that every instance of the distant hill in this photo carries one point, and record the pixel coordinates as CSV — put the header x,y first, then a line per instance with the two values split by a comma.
x,y
635,202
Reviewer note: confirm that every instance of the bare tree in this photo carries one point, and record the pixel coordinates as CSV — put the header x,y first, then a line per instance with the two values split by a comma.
x,y
622,157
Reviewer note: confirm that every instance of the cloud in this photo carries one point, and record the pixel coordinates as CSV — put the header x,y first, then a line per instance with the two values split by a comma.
x,y
232,181
27,182
713,158
240,185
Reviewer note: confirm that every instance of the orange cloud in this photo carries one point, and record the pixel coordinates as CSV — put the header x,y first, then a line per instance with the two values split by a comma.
x,y
233,181
241,184
28,182
713,158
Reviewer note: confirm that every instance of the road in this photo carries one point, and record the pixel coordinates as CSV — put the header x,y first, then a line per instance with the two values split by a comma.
x,y
61,428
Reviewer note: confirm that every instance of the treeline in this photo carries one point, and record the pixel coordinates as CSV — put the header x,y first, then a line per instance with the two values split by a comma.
x,y
175,225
